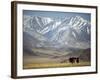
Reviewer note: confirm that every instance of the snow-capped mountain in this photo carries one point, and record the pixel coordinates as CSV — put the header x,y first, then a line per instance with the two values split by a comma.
x,y
71,32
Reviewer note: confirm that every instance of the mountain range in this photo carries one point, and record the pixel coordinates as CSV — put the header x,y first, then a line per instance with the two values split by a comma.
x,y
73,32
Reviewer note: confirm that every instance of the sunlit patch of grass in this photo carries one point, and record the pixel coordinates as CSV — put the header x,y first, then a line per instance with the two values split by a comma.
x,y
54,65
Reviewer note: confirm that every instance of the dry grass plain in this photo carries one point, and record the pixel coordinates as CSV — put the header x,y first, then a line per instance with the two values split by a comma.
x,y
54,65
46,59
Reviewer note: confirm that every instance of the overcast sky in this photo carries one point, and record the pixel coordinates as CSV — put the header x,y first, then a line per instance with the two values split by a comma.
x,y
55,14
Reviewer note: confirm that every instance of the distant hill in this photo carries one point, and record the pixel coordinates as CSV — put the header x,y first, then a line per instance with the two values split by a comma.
x,y
86,55
83,54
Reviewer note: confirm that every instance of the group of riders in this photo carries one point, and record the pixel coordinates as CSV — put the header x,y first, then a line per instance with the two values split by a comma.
x,y
74,60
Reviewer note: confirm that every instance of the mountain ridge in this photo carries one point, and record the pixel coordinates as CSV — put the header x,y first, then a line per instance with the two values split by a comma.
x,y
73,32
